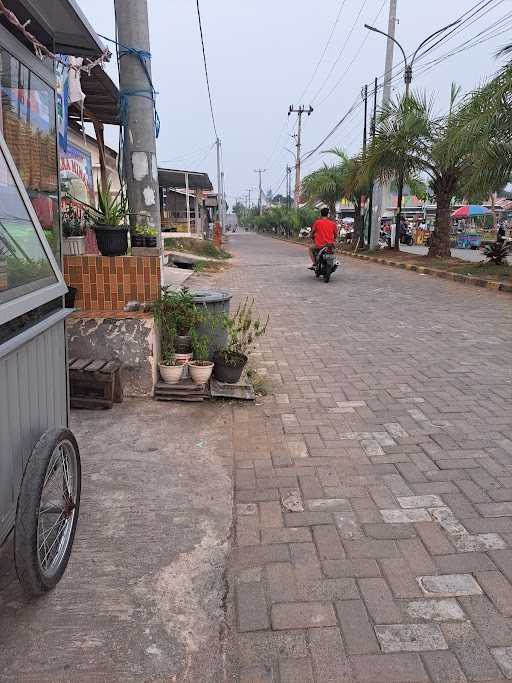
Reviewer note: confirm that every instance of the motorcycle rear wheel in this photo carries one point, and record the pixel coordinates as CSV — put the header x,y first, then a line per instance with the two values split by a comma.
x,y
327,272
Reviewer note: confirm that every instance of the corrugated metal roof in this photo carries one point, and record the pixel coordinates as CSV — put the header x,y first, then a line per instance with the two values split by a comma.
x,y
175,179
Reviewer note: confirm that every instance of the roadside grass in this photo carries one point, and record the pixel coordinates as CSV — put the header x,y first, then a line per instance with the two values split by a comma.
x,y
481,270
209,266
260,384
196,246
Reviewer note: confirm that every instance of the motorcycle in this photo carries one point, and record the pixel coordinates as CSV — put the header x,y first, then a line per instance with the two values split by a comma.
x,y
407,237
326,263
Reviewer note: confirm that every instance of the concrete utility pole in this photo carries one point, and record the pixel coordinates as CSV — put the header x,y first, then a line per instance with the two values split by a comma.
x,y
140,161
381,192
249,196
288,185
299,111
220,193
259,171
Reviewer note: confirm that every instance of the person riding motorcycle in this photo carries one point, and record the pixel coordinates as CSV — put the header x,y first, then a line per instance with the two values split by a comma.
x,y
324,231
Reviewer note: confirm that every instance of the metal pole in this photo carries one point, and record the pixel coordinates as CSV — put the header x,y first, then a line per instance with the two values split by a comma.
x,y
140,161
188,204
219,186
370,206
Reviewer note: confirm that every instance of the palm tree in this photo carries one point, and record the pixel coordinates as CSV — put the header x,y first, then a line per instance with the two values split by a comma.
x,y
412,140
342,180
324,185
485,124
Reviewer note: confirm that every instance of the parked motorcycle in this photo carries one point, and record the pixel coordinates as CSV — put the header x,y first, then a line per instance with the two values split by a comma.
x,y
326,263
407,237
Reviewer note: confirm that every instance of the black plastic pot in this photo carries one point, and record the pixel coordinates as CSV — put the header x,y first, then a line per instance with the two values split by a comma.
x,y
112,240
70,296
229,374
150,241
137,240
183,343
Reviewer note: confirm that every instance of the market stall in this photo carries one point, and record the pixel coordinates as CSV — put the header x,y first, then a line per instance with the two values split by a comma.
x,y
39,457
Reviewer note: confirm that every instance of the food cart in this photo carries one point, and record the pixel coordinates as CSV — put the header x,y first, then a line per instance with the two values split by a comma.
x,y
39,458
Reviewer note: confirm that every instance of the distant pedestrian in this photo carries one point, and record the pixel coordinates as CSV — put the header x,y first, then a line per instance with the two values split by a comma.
x,y
502,233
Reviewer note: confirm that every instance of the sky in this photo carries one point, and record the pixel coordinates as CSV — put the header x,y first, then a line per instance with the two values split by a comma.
x,y
264,55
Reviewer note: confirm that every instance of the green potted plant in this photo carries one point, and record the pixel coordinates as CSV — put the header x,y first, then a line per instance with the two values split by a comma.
x,y
201,367
150,237
171,371
73,231
180,309
243,330
111,233
137,238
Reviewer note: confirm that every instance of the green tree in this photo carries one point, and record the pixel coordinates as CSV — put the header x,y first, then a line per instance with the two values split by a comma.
x,y
485,126
411,140
324,185
341,180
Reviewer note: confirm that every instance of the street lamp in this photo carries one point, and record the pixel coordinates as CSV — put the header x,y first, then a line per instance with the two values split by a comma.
x,y
408,81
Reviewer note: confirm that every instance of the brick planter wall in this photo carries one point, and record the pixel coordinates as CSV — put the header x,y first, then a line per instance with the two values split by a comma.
x,y
107,283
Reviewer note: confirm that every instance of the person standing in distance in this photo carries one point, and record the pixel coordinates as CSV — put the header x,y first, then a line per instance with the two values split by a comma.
x,y
323,231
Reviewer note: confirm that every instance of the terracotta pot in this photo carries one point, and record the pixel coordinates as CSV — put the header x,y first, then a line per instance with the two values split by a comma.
x,y
200,372
171,374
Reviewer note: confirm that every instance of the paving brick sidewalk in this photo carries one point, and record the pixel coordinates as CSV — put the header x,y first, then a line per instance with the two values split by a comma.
x,y
374,486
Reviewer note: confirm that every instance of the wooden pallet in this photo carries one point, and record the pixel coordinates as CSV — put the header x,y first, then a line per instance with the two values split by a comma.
x,y
185,390
94,383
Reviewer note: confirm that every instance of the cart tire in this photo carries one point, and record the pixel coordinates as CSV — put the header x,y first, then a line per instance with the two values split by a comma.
x,y
41,475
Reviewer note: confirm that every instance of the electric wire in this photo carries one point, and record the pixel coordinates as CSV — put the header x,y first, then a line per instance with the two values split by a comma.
x,y
363,43
206,68
340,53
329,40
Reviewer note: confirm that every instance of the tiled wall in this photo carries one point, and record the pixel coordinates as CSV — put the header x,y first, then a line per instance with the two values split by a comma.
x,y
107,283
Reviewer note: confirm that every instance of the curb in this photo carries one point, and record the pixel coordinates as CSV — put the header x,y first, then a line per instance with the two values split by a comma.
x,y
443,274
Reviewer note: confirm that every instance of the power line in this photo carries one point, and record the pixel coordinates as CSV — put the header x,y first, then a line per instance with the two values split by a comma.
x,y
363,43
429,66
340,53
329,40
206,68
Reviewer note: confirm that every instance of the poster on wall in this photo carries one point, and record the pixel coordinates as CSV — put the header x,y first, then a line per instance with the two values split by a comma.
x,y
76,176
62,73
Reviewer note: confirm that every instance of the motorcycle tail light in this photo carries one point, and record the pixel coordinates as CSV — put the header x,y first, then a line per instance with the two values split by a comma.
x,y
329,250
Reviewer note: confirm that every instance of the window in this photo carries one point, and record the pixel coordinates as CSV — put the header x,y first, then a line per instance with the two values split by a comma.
x,y
24,265
29,128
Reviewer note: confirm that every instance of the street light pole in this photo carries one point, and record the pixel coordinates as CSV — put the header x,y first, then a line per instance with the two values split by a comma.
x,y
408,80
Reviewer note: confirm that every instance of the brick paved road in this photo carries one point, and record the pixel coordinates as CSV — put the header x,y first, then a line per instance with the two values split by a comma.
x,y
374,488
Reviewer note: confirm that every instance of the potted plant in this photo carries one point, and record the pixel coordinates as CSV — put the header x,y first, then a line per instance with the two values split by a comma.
x,y
150,237
243,329
179,308
137,236
111,233
170,370
201,367
73,230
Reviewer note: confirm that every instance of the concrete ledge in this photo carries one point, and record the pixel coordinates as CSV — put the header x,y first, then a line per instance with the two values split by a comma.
x,y
443,274
129,339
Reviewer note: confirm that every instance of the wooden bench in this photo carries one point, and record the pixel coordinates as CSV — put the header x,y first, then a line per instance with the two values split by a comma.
x,y
94,383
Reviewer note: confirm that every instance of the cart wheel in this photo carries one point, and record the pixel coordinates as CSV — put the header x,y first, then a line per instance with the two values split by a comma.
x,y
47,511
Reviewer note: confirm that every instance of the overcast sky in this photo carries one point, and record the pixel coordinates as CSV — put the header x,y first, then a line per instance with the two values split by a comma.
x,y
261,56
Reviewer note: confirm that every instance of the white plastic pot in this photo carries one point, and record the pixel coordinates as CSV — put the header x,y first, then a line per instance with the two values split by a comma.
x,y
74,246
171,374
200,374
